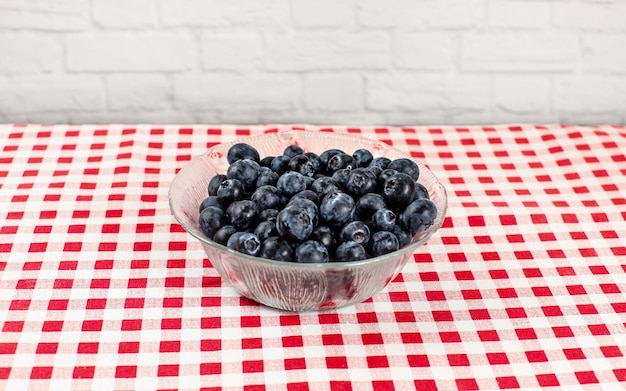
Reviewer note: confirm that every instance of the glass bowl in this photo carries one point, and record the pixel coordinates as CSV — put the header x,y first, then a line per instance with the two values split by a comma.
x,y
286,285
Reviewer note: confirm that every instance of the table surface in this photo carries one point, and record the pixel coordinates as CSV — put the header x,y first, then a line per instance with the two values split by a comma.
x,y
524,286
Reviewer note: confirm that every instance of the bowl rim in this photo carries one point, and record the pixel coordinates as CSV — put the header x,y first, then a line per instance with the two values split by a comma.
x,y
193,231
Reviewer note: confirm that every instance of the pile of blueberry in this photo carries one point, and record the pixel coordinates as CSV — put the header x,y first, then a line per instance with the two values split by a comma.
x,y
309,208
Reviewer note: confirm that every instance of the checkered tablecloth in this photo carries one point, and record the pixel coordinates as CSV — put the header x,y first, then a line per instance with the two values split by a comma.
x,y
524,286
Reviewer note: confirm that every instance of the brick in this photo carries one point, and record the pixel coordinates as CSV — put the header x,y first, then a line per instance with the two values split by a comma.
x,y
464,92
51,93
604,53
522,94
217,91
590,94
220,51
519,51
424,51
589,16
29,53
410,92
119,51
218,13
518,14
448,14
125,14
323,51
138,92
336,92
323,13
62,15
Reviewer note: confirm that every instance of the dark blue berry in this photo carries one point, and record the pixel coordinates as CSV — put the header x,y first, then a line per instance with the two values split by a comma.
x,y
246,171
363,157
215,183
242,151
324,185
311,252
339,161
308,194
294,223
368,204
279,164
291,183
406,166
267,197
242,214
229,191
337,209
421,191
266,229
324,235
276,248
268,215
211,219
293,150
384,242
210,201
384,220
341,177
355,231
404,237
398,190
266,161
327,154
381,162
303,165
384,175
419,215
244,242
223,234
361,181
309,206
266,177
350,251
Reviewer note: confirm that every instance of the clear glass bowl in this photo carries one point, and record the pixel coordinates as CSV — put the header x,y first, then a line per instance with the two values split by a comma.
x,y
294,286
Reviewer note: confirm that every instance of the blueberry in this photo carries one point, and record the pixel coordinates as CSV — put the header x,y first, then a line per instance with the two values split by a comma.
x,y
311,252
244,242
350,251
324,235
339,161
242,214
327,154
266,161
276,248
303,165
363,157
280,164
384,220
307,194
406,166
324,185
341,177
368,204
246,171
398,190
419,215
267,197
266,177
293,150
404,237
384,175
355,231
266,229
210,201
215,183
309,206
268,215
229,191
337,209
381,162
376,170
421,191
361,181
384,242
211,219
294,223
242,151
223,234
291,183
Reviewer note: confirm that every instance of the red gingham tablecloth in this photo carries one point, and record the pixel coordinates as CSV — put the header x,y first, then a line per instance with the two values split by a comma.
x,y
523,287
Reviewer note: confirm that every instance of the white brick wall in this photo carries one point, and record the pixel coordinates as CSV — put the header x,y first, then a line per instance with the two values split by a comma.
x,y
393,62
